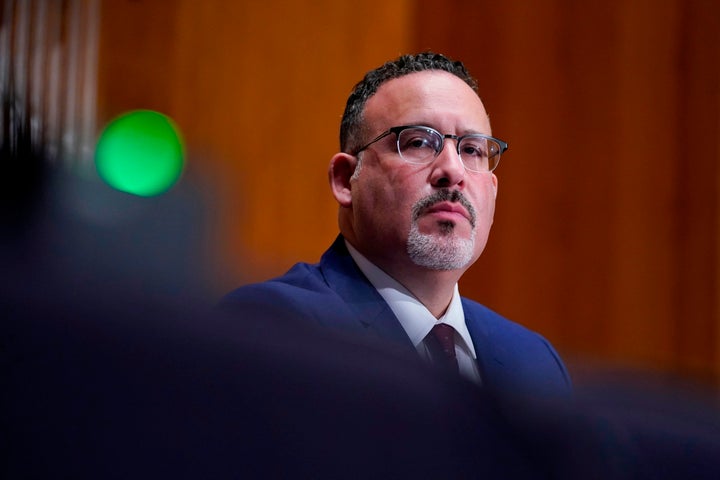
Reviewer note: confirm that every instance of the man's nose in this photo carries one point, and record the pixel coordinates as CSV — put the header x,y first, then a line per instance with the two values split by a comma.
x,y
447,167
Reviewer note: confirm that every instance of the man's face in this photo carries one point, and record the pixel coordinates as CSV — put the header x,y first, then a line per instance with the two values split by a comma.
x,y
435,215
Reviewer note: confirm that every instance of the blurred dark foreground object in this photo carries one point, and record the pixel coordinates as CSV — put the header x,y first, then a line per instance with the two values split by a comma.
x,y
128,389
672,422
109,385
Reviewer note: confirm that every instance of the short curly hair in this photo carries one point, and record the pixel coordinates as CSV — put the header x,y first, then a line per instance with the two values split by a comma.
x,y
351,126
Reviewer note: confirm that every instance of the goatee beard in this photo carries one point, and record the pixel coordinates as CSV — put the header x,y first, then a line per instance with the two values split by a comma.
x,y
443,250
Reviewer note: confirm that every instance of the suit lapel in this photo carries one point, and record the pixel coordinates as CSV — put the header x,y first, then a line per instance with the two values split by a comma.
x,y
489,362
372,312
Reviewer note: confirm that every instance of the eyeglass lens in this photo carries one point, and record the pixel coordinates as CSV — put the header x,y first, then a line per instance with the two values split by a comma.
x,y
421,145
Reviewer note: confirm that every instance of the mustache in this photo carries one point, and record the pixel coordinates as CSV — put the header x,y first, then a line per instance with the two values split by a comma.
x,y
444,195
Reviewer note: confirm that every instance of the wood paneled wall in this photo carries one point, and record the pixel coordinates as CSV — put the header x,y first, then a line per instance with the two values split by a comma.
x,y
606,231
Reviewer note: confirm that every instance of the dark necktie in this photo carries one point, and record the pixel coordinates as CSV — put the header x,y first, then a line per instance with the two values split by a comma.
x,y
441,343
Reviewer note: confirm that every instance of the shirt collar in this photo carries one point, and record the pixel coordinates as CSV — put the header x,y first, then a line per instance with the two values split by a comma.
x,y
415,318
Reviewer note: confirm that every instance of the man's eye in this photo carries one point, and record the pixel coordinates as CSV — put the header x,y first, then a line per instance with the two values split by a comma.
x,y
474,150
418,143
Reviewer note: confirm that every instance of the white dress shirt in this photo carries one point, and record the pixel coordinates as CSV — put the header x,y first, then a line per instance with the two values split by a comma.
x,y
416,319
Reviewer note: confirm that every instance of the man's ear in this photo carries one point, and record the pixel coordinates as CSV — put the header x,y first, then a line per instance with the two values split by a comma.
x,y
495,184
342,167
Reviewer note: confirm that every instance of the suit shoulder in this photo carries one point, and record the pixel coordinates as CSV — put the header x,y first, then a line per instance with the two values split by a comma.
x,y
514,344
302,277
298,294
496,324
493,321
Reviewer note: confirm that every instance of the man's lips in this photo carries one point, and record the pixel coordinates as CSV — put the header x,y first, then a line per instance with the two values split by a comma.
x,y
448,208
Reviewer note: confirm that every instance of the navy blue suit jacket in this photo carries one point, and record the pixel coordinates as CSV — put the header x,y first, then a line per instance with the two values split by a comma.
x,y
335,294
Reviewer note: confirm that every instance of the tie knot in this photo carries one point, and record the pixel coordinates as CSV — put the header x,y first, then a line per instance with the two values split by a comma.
x,y
445,335
441,344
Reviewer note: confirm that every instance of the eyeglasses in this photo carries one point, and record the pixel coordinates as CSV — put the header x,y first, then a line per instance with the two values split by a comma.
x,y
419,144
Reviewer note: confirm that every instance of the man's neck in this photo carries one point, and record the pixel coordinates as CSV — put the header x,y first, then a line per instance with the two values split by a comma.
x,y
433,288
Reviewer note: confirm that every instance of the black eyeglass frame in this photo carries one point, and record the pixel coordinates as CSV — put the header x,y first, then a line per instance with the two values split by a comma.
x,y
458,138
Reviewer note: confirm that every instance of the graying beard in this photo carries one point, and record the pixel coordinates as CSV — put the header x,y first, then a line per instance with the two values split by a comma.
x,y
439,253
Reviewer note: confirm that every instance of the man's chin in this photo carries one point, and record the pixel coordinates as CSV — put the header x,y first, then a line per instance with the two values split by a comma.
x,y
440,250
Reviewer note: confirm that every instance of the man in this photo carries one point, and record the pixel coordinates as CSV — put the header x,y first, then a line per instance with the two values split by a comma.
x,y
416,192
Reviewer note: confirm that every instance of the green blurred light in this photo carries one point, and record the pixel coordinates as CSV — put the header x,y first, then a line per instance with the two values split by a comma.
x,y
140,152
